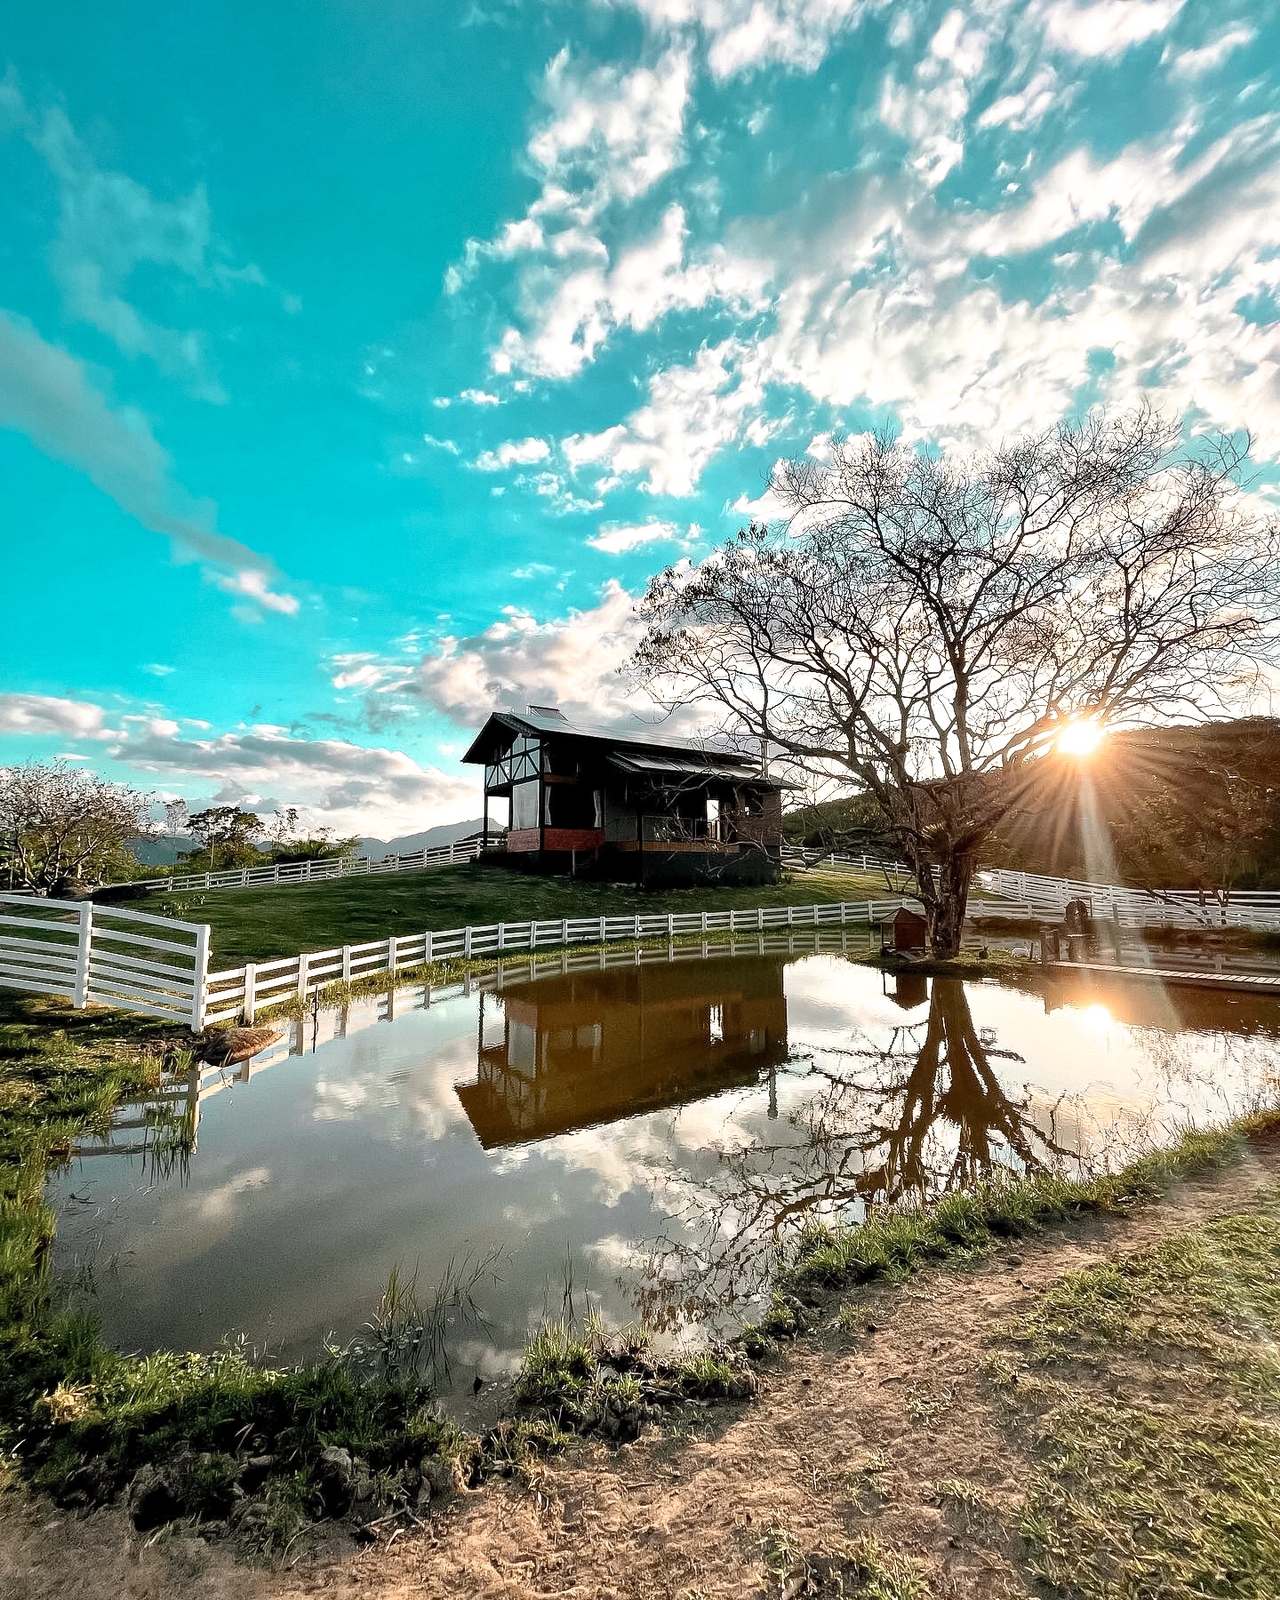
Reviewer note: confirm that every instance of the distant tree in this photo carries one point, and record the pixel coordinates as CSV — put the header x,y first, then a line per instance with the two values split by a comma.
x,y
61,826
927,625
226,835
176,817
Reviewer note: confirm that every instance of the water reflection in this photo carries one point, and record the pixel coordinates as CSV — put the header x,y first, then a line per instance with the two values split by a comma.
x,y
594,1047
664,1119
909,1116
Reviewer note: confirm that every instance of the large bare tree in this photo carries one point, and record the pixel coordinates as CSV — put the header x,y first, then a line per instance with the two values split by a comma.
x,y
924,626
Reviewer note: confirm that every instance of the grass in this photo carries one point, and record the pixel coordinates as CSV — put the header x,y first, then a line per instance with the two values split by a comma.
x,y
1150,1391
893,1244
259,924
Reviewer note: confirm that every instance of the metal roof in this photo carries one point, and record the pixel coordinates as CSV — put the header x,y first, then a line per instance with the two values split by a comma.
x,y
663,766
546,721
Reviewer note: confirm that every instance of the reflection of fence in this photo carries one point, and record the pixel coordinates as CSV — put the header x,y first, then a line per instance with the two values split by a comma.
x,y
283,872
242,991
93,953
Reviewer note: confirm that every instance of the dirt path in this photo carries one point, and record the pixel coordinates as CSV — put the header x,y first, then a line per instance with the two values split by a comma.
x,y
854,1430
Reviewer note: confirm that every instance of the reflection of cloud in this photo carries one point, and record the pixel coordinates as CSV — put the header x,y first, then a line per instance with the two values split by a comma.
x,y
217,1205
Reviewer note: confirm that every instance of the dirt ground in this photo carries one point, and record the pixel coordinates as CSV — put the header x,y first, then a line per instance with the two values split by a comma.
x,y
854,1429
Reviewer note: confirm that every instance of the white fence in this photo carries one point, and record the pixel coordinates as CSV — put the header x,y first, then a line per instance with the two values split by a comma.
x,y
1176,908
243,991
87,952
283,872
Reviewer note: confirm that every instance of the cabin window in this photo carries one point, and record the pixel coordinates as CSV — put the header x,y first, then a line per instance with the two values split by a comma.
x,y
713,817
524,805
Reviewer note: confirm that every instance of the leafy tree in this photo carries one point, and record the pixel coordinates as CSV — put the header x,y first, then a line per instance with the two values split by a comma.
x,y
61,826
226,835
926,626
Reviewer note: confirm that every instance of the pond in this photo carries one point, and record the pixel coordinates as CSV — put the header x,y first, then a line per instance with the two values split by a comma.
x,y
629,1134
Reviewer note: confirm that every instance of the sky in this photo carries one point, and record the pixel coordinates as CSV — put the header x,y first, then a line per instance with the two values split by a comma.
x,y
359,363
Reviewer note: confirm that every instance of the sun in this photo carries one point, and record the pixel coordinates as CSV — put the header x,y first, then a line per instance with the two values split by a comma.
x,y
1081,738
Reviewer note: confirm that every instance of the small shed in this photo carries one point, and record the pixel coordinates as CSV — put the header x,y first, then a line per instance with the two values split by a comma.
x,y
905,932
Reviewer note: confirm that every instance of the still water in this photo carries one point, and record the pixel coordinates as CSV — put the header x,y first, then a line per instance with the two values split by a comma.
x,y
633,1137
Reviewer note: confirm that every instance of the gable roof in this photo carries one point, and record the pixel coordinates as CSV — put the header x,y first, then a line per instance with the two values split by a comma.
x,y
545,721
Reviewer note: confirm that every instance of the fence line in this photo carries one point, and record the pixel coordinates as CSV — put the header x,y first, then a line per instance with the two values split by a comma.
x,y
100,954
287,872
1038,896
243,991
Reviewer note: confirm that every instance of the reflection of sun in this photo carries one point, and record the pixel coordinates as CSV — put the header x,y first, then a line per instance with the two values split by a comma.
x,y
1081,738
1096,1017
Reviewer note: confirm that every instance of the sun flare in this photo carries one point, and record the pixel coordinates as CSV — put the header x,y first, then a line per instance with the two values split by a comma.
x,y
1081,738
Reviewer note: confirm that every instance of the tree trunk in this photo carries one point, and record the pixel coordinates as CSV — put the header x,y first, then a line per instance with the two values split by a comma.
x,y
944,889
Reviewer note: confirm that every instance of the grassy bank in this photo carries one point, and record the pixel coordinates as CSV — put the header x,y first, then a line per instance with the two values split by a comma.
x,y
258,924
1148,1390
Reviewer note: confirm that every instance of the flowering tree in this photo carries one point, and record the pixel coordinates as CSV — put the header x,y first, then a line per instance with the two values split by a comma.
x,y
60,826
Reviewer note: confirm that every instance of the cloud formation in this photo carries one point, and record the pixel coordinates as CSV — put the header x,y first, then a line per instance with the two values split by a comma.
x,y
49,714
46,394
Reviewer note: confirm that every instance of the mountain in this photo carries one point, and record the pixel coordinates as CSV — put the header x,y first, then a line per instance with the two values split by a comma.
x,y
432,839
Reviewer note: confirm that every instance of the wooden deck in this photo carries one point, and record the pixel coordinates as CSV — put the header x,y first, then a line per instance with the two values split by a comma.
x,y
1241,982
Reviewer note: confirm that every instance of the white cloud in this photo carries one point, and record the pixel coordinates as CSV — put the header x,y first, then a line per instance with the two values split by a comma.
x,y
692,413
743,35
616,539
1209,57
572,314
351,788
479,397
45,714
514,453
447,445
1107,27
1028,106
109,227
572,662
45,393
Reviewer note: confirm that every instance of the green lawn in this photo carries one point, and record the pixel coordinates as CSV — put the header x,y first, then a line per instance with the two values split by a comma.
x,y
257,924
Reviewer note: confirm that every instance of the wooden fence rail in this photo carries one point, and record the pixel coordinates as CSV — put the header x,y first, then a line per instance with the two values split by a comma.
x,y
292,872
100,954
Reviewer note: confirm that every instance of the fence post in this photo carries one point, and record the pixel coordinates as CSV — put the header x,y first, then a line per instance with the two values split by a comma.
x,y
302,976
564,931
426,948
502,937
671,925
637,933
346,963
466,942
250,991
392,942
601,939
704,922
533,933
199,989
84,948
760,917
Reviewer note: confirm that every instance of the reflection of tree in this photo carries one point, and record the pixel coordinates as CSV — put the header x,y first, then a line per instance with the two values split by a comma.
x,y
917,1117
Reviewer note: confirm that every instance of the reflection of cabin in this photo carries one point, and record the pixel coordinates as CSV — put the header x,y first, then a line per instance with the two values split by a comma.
x,y
627,805
593,1047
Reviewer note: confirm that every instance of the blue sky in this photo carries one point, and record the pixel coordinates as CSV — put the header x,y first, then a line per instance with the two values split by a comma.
x,y
359,363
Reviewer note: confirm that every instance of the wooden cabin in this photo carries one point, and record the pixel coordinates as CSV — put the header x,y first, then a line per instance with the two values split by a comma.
x,y
627,806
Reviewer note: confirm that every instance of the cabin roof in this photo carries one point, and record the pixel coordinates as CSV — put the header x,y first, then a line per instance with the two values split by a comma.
x,y
712,760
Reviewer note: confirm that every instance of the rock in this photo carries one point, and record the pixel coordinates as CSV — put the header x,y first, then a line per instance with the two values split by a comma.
x,y
441,1477
152,1501
223,1047
335,1462
336,1472
1013,1261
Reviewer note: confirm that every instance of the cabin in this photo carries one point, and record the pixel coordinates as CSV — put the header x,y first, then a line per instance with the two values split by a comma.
x,y
627,806
905,933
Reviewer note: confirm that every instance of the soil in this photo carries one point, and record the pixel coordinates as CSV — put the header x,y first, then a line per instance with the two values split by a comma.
x,y
855,1427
